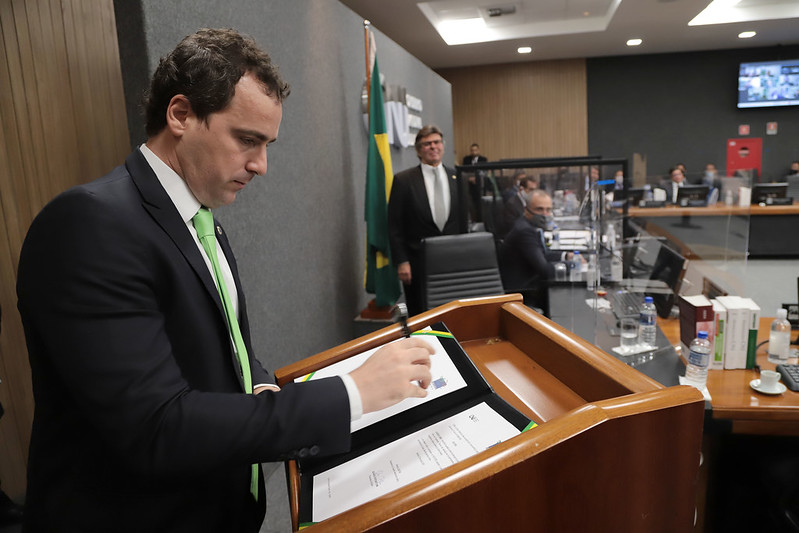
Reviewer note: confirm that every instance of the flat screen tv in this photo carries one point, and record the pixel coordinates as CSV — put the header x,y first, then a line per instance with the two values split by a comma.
x,y
768,83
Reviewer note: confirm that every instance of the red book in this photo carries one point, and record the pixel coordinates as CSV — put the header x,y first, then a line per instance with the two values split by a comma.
x,y
696,314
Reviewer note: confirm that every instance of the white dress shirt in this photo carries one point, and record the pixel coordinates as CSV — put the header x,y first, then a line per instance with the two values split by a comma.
x,y
188,205
431,174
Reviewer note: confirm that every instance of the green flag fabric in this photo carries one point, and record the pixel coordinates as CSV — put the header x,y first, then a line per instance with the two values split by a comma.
x,y
380,277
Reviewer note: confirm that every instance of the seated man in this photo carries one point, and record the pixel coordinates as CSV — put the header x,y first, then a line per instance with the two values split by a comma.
x,y
675,181
514,205
524,258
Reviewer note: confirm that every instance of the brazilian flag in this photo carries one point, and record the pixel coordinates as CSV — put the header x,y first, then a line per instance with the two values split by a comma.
x,y
380,277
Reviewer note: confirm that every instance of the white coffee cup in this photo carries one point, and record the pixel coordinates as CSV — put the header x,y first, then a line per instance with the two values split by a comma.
x,y
769,380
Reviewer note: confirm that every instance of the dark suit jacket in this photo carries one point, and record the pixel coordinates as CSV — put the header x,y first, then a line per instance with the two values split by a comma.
x,y
410,220
140,421
524,258
409,217
512,209
467,160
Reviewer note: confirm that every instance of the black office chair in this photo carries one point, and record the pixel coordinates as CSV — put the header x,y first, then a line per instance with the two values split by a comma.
x,y
459,266
492,215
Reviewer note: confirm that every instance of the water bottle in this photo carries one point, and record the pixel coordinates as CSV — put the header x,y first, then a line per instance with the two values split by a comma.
x,y
575,267
592,274
728,198
698,360
647,328
555,237
779,340
616,267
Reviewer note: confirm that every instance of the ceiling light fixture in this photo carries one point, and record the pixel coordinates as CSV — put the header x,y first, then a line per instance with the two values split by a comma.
x,y
747,34
634,42
524,49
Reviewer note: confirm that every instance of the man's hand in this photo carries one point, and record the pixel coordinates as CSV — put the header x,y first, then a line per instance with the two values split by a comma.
x,y
394,372
404,272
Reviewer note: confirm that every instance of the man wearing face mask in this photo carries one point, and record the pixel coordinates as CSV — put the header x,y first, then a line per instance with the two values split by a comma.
x,y
524,257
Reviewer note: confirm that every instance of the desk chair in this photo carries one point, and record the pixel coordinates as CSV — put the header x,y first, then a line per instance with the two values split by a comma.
x,y
459,266
492,215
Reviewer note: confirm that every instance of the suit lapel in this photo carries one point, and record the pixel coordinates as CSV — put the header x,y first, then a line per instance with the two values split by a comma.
x,y
420,195
157,203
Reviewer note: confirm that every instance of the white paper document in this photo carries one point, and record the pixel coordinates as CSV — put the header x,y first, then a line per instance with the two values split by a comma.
x,y
446,379
408,459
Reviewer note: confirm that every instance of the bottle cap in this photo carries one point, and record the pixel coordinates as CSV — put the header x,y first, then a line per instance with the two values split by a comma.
x,y
702,335
648,299
782,314
577,252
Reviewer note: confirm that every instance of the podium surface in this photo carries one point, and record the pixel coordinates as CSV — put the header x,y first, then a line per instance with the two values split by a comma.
x,y
614,450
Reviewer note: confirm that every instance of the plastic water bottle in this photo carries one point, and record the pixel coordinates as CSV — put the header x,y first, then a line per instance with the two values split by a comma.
x,y
728,198
616,267
647,328
592,274
575,267
555,237
779,340
698,360
647,193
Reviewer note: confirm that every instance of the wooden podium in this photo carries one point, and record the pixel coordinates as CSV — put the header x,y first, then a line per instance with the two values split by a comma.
x,y
614,450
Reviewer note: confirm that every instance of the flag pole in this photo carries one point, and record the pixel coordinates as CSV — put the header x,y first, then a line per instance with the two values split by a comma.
x,y
366,25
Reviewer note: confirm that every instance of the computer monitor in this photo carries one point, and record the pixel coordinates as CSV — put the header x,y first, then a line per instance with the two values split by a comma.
x,y
669,268
692,195
762,193
633,195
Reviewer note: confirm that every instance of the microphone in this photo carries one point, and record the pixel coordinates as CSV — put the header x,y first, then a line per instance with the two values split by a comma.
x,y
400,314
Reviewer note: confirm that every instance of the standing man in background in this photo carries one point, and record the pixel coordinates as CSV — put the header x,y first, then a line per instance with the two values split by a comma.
x,y
475,181
423,203
152,412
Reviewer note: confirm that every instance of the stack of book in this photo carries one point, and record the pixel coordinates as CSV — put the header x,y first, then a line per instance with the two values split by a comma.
x,y
731,323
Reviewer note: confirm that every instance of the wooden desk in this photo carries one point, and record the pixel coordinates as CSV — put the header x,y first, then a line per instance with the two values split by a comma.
x,y
762,231
735,401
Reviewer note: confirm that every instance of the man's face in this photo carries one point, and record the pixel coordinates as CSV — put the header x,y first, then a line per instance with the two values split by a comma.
x,y
431,148
795,167
677,176
541,204
218,157
474,150
529,187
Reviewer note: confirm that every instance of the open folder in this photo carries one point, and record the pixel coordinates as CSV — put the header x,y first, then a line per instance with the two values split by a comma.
x,y
460,417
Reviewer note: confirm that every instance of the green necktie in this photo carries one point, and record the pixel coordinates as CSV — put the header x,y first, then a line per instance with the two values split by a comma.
x,y
204,224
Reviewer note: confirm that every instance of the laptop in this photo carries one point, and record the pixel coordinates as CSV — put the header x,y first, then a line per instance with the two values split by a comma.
x,y
663,284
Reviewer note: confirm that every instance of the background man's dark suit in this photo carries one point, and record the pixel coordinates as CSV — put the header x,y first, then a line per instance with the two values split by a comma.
x,y
410,220
139,385
523,257
512,209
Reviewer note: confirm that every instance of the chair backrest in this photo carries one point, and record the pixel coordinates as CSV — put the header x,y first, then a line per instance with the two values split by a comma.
x,y
460,266
492,214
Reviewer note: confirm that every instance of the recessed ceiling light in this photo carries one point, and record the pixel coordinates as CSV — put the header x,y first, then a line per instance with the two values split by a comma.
x,y
634,42
586,13
524,49
747,34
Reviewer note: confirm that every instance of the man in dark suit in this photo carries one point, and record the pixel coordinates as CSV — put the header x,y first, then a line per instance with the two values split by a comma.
x,y
514,206
141,422
675,180
524,257
412,207
475,179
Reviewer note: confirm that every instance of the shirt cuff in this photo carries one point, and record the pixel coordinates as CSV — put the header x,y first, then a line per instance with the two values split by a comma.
x,y
356,407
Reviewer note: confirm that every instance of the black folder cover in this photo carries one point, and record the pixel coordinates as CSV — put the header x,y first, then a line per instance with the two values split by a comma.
x,y
401,424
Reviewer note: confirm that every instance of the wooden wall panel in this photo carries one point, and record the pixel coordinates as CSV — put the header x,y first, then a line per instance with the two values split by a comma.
x,y
536,109
62,122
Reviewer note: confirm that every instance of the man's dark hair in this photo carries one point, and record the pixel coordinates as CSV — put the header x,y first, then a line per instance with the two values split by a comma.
x,y
430,129
205,67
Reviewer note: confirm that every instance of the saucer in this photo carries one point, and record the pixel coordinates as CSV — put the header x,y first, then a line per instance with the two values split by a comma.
x,y
755,384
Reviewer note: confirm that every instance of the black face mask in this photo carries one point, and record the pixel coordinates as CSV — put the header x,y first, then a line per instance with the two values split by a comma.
x,y
542,221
